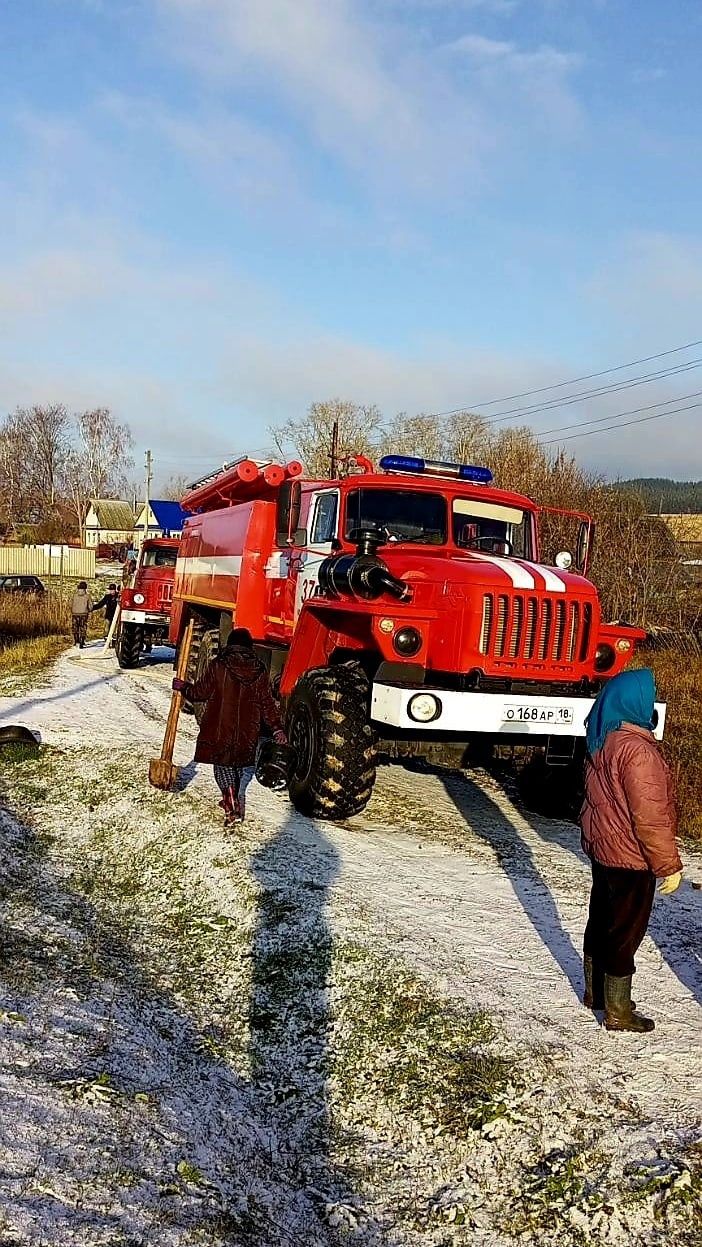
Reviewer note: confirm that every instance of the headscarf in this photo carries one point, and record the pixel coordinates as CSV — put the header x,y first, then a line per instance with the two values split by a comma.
x,y
627,698
240,637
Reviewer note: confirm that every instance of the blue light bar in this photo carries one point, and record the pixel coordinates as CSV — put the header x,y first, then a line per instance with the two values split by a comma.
x,y
436,467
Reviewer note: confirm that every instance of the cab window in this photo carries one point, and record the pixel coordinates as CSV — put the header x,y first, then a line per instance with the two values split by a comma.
x,y
323,527
159,558
400,514
489,528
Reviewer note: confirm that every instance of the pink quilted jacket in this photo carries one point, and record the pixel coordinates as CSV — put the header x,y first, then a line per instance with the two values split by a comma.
x,y
628,817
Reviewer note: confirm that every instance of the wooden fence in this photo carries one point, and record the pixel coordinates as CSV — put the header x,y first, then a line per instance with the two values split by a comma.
x,y
46,561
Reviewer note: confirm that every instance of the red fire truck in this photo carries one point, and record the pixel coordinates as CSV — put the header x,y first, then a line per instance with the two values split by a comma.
x,y
145,605
406,603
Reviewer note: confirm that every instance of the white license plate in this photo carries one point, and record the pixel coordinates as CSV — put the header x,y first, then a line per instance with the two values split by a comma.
x,y
526,712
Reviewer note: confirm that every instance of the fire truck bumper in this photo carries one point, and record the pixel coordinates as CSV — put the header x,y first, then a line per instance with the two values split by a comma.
x,y
495,714
145,617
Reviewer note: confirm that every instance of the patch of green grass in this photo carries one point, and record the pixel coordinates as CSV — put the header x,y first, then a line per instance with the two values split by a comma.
x,y
26,774
558,1183
397,1039
673,1184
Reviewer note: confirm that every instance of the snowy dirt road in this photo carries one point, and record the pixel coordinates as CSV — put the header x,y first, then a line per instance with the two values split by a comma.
x,y
443,875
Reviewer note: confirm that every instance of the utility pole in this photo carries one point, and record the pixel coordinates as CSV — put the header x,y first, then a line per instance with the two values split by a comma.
x,y
149,478
334,450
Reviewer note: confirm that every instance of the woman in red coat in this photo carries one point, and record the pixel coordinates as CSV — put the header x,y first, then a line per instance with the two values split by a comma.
x,y
628,822
240,705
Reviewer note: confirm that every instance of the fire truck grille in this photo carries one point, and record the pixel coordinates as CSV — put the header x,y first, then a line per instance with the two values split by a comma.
x,y
541,629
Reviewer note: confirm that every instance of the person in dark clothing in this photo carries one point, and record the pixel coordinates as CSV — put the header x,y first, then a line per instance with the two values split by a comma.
x,y
110,601
240,705
628,822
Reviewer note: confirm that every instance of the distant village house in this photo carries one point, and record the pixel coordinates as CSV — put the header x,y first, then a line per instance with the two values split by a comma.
x,y
686,531
109,522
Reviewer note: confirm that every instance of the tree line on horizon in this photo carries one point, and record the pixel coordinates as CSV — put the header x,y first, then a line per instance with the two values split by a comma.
x,y
663,496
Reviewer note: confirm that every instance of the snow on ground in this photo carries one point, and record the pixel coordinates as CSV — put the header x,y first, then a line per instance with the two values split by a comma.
x,y
441,874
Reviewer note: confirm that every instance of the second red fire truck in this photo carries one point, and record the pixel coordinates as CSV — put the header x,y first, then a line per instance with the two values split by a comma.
x,y
145,604
407,603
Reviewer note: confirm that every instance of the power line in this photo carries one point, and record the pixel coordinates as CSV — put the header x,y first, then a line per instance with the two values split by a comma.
x,y
679,398
569,400
599,392
612,427
590,376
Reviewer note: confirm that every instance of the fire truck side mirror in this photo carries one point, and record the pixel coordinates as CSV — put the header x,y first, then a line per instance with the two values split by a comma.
x,y
288,513
583,547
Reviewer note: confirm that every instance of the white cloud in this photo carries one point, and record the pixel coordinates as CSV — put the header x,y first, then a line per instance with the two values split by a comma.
x,y
651,286
232,151
513,76
494,7
379,96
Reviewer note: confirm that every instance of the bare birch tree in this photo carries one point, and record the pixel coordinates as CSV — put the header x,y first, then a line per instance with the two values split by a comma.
x,y
311,437
97,466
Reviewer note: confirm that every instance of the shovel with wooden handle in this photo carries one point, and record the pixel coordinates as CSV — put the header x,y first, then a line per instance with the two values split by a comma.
x,y
162,772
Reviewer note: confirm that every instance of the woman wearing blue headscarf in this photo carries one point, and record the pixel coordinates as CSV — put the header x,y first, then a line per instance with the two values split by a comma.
x,y
628,825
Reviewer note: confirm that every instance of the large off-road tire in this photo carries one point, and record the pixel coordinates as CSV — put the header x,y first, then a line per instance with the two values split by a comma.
x,y
129,644
553,791
199,629
333,743
208,648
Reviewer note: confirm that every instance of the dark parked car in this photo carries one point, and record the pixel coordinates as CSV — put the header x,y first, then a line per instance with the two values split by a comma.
x,y
22,584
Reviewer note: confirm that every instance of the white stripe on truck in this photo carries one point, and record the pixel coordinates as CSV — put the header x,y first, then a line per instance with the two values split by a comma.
x,y
221,565
521,578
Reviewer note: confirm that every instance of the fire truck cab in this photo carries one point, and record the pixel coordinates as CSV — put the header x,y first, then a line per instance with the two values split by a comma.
x,y
145,605
407,603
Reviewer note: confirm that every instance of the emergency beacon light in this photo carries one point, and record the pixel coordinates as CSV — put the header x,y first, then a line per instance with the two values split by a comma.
x,y
436,467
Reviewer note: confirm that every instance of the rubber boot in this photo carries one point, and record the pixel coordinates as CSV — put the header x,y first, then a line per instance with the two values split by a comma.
x,y
593,997
619,1011
594,985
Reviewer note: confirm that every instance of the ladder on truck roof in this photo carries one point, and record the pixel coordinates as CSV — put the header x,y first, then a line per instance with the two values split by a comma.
x,y
240,480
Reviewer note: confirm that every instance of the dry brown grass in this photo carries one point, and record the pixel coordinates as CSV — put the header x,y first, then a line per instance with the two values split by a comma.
x,y
23,616
30,654
679,681
33,631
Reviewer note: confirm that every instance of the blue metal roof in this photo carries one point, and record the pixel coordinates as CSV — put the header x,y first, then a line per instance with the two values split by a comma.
x,y
170,516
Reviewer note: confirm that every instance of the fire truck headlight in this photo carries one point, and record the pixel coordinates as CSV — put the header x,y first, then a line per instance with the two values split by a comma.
x,y
424,707
604,657
623,645
407,642
138,598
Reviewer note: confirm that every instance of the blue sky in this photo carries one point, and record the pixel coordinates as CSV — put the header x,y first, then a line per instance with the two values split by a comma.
x,y
213,212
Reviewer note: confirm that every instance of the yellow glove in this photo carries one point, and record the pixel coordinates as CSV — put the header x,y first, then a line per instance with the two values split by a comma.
x,y
670,884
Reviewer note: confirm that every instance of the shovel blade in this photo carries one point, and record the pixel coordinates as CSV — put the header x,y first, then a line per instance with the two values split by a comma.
x,y
162,774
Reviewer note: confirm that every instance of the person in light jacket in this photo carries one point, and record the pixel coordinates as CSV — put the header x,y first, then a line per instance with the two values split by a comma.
x,y
628,822
239,706
80,609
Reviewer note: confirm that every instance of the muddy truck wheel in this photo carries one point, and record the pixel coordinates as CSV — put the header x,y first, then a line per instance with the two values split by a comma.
x,y
333,744
553,791
129,645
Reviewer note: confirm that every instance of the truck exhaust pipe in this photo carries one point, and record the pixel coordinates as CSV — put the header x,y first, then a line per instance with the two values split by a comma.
x,y
361,575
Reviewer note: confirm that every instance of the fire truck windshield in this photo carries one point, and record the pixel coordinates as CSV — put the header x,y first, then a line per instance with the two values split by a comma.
x,y
406,515
421,519
159,558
